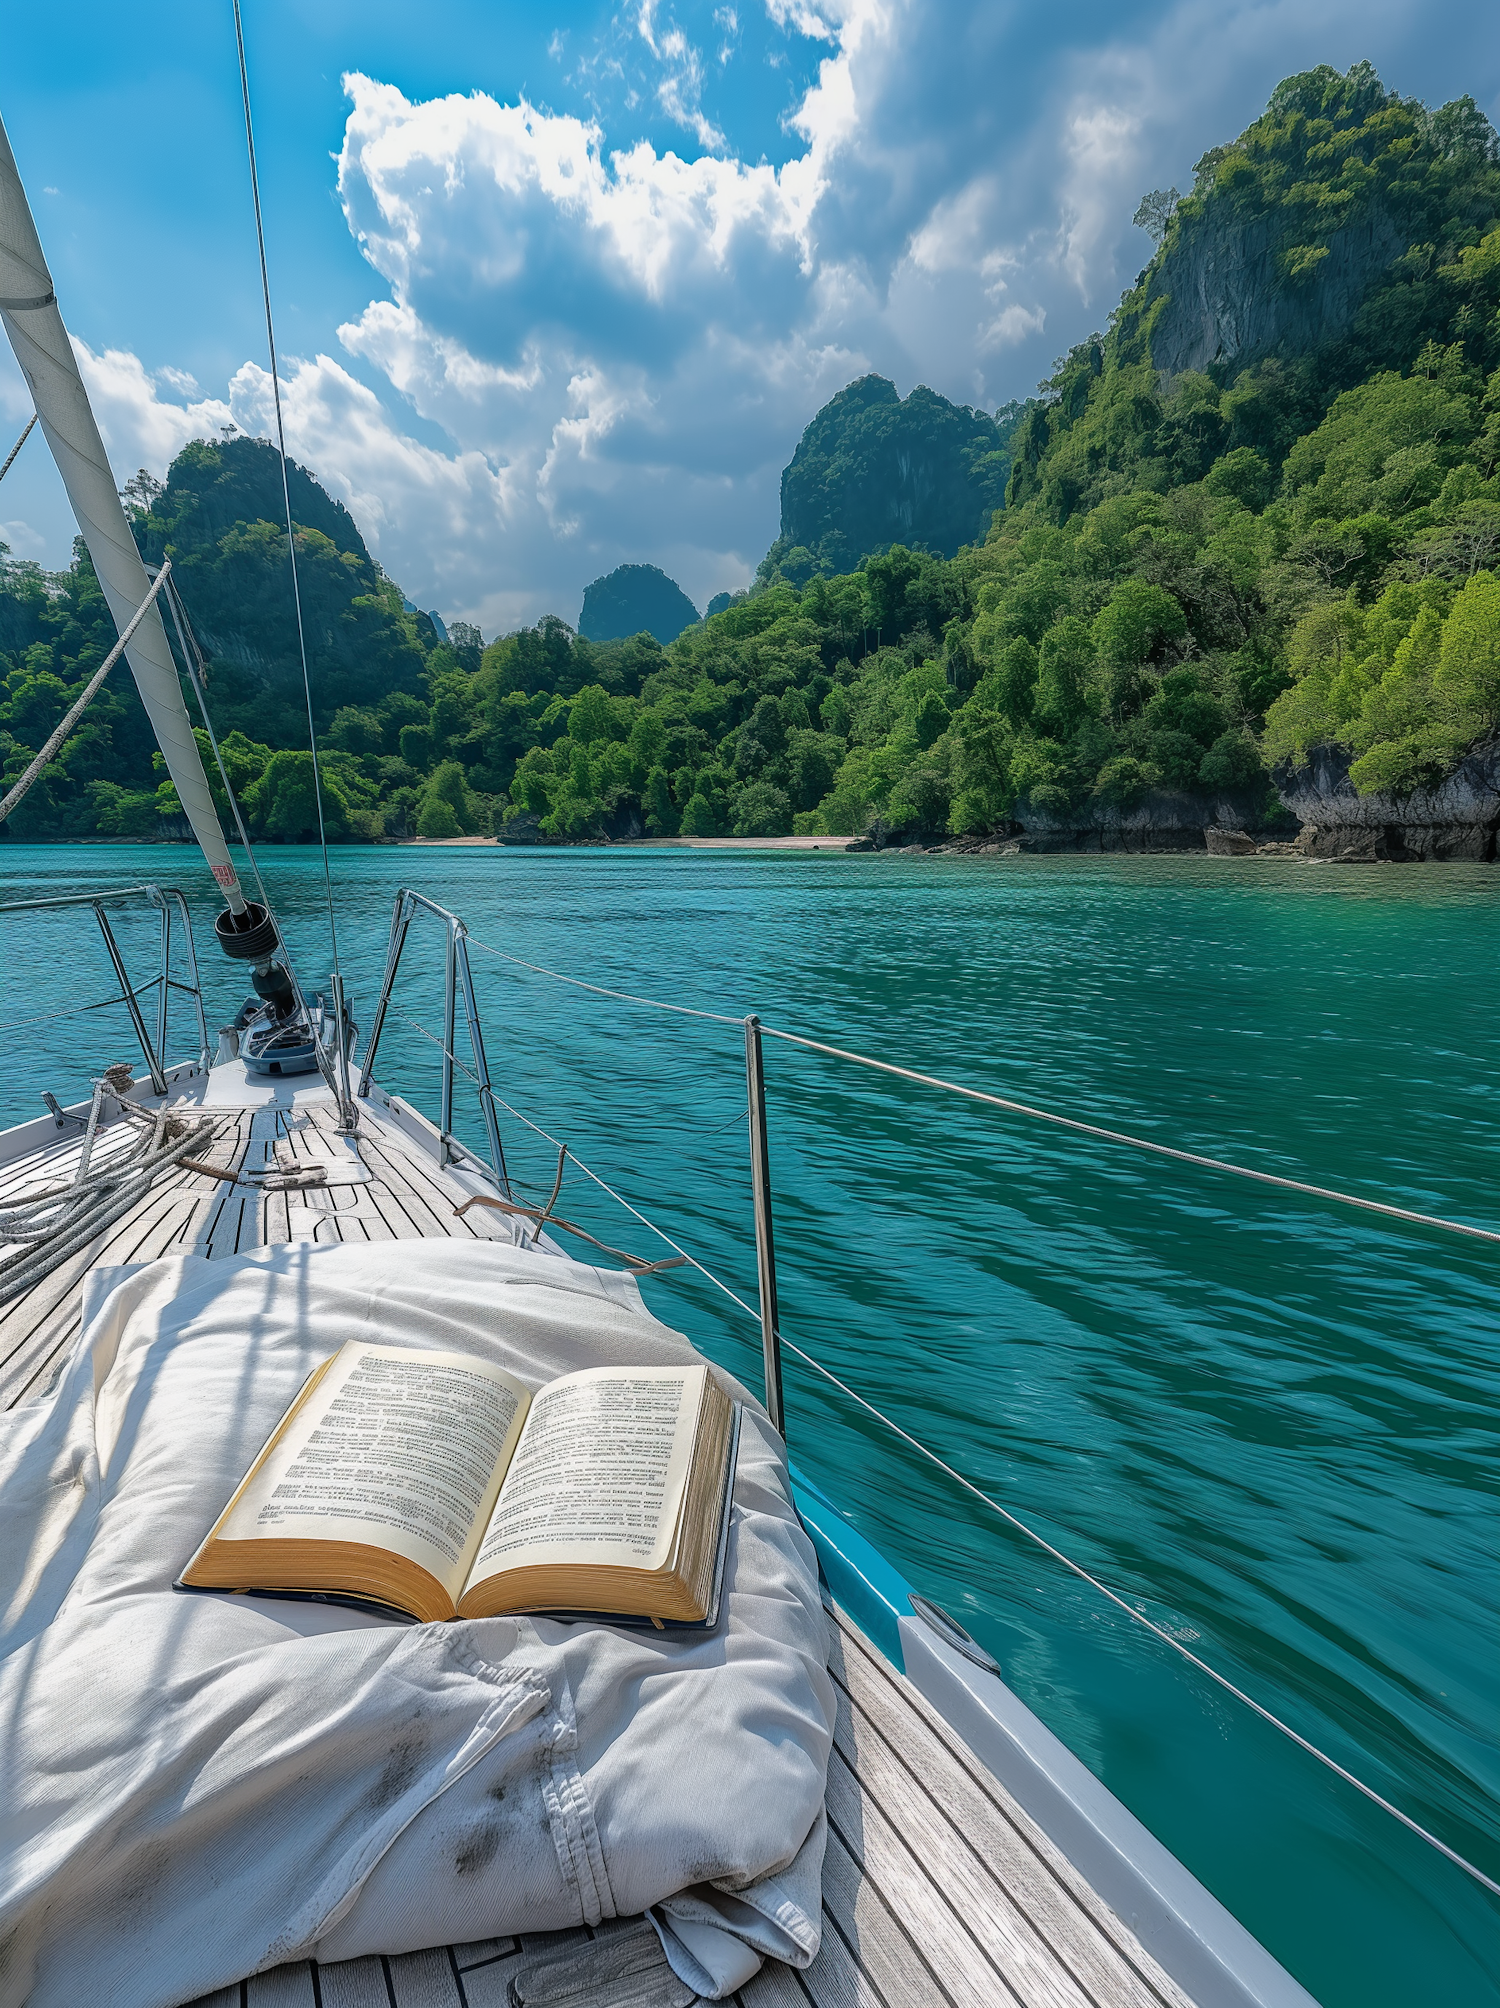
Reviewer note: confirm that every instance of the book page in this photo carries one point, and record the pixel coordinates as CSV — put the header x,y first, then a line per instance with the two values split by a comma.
x,y
397,1450
598,1475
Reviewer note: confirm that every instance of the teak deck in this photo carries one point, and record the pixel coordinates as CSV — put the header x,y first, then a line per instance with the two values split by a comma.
x,y
938,1890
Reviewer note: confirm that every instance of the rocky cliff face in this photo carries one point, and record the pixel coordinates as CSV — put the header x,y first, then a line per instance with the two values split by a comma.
x,y
1164,820
1227,299
1459,818
875,469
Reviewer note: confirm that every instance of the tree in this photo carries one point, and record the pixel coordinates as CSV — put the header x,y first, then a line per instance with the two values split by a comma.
x,y
1064,677
1155,212
762,811
1466,682
662,818
284,801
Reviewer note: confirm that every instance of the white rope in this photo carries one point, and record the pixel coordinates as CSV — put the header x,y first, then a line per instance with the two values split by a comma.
x,y
48,1226
23,786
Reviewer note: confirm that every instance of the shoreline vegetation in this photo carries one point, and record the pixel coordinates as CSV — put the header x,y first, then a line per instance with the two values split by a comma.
x,y
1218,842
1234,578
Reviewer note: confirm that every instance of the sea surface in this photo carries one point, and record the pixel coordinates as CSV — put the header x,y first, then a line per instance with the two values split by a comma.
x,y
1269,1422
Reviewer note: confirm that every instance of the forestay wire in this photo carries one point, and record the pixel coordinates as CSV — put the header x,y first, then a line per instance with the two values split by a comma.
x,y
286,493
11,456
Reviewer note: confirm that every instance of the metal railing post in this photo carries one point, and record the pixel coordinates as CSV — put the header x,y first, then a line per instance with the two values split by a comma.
x,y
195,989
765,1245
348,1120
401,914
166,976
450,987
132,1002
481,1064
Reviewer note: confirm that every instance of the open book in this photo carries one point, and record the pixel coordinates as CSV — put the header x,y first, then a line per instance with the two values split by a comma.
x,y
436,1484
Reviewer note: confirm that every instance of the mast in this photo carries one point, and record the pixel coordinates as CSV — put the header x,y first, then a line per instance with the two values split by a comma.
x,y
28,307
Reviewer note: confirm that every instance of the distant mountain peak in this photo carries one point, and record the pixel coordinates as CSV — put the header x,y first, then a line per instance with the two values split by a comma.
x,y
635,599
875,469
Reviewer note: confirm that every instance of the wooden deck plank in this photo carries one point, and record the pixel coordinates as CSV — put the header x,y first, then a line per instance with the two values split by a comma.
x,y
1069,1916
354,1983
488,1985
1049,1952
282,1987
483,1951
874,1934
836,1980
430,1212
955,1954
424,1980
775,1986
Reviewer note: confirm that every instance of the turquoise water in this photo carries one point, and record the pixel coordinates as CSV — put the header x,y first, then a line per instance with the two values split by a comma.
x,y
1271,1423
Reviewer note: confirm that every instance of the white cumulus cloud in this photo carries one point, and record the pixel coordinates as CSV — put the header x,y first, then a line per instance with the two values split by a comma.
x,y
581,350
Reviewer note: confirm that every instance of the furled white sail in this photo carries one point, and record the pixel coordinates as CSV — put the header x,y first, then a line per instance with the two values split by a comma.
x,y
28,307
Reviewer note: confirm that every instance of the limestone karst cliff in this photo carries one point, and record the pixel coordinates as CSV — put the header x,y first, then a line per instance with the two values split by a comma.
x,y
874,469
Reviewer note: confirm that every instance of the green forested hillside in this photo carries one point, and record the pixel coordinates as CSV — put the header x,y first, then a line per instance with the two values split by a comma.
x,y
1258,514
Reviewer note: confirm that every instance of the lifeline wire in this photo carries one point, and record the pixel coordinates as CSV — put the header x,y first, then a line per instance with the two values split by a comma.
x,y
620,996
25,435
1136,1142
1076,1568
286,493
1073,1123
1141,1619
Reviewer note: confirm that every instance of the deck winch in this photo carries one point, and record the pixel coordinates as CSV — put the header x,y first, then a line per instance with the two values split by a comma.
x,y
274,1033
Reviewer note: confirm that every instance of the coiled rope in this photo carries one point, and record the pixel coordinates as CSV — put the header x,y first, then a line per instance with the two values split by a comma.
x,y
47,1226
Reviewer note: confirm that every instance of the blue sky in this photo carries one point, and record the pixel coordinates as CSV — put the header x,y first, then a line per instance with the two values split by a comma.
x,y
557,288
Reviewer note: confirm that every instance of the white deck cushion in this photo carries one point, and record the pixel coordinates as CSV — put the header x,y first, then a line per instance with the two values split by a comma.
x,y
200,1787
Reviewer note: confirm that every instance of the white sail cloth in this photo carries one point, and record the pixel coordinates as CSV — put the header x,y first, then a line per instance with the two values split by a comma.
x,y
31,318
197,1788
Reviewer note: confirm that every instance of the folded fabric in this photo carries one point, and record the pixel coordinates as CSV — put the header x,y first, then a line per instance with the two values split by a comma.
x,y
201,1787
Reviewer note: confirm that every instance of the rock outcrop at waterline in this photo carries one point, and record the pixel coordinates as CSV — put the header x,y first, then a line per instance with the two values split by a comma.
x,y
1456,820
1163,820
1459,818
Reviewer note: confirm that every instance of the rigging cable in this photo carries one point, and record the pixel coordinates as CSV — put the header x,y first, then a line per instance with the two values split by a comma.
x,y
286,493
1076,1568
95,683
25,435
1073,1123
192,656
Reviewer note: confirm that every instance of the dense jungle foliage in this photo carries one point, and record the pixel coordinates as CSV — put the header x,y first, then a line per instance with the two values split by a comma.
x,y
1194,577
